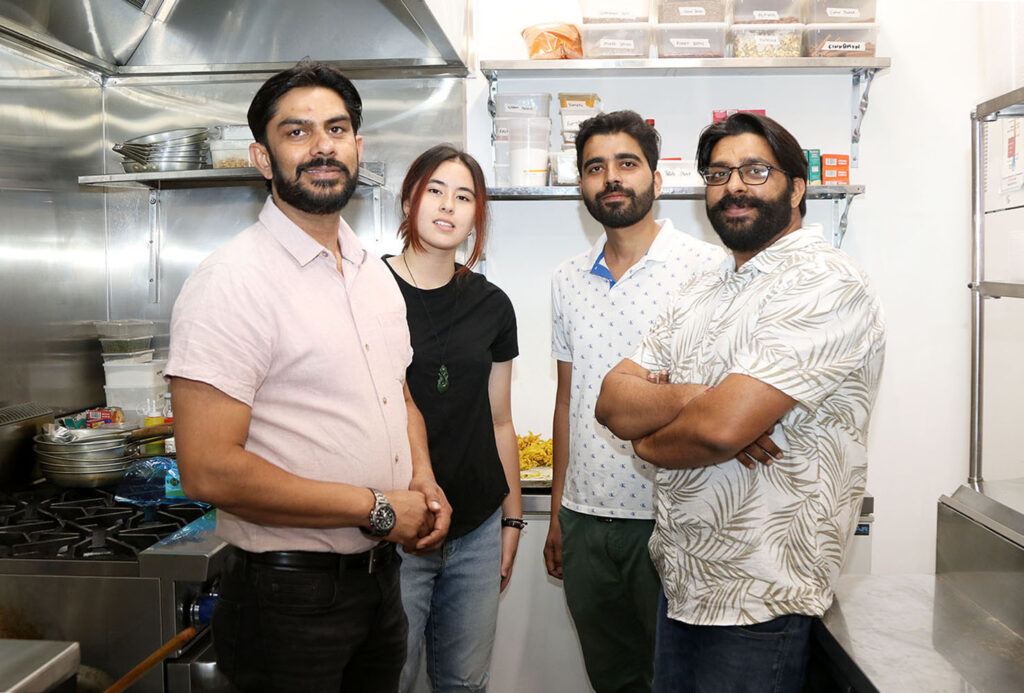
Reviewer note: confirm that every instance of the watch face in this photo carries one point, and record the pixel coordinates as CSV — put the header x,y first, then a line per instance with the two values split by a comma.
x,y
382,520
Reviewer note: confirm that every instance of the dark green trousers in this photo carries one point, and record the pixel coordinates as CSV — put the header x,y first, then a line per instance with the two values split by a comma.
x,y
612,589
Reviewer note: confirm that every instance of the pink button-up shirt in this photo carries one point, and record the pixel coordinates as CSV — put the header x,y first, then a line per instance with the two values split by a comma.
x,y
319,356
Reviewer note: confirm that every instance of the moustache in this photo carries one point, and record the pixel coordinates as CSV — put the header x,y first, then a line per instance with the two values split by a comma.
x,y
730,201
322,162
616,189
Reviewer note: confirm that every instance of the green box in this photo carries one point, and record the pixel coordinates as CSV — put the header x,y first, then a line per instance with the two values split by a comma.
x,y
813,157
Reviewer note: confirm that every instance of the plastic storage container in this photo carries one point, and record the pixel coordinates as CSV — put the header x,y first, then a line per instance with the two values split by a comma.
x,y
523,104
134,400
698,40
134,374
607,11
679,173
129,356
840,40
230,132
766,40
686,11
616,40
841,11
117,345
528,151
502,127
766,11
124,329
230,153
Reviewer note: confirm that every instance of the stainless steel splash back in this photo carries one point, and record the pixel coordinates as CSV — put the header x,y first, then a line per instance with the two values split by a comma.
x,y
52,264
401,119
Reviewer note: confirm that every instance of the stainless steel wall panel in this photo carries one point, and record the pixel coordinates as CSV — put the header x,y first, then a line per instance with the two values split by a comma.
x,y
401,119
52,240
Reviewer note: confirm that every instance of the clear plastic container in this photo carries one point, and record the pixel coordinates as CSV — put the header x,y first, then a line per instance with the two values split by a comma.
x,y
523,104
528,152
230,132
686,11
129,356
616,40
134,374
134,400
117,345
767,11
230,153
610,11
124,329
766,40
698,40
679,173
840,11
840,40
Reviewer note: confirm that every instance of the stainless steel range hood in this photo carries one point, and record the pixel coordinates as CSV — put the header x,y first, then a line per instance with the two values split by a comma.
x,y
138,37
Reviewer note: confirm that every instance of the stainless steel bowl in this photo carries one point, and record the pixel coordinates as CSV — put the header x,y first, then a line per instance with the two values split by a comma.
x,y
45,444
87,479
179,136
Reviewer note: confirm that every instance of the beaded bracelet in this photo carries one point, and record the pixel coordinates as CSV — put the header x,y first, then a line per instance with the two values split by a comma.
x,y
516,522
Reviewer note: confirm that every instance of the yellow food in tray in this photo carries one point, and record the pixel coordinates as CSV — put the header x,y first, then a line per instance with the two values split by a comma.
x,y
534,451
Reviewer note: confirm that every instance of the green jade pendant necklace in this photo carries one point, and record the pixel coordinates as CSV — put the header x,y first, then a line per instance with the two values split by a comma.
x,y
442,373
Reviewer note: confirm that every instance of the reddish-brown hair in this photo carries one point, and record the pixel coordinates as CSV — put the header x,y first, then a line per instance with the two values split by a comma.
x,y
416,182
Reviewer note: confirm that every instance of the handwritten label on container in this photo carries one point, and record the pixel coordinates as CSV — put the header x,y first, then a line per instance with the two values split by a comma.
x,y
692,11
764,41
617,14
843,12
848,46
519,108
502,132
766,15
616,44
690,43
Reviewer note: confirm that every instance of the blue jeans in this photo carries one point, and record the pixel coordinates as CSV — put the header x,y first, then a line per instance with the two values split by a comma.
x,y
451,600
769,657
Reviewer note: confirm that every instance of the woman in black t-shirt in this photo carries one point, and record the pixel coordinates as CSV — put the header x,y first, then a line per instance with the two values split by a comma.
x,y
463,333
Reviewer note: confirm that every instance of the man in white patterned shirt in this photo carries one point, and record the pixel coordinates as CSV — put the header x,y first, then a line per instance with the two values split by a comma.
x,y
787,334
602,304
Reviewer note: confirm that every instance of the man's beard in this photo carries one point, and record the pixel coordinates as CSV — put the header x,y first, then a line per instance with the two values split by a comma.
x,y
327,201
623,214
756,232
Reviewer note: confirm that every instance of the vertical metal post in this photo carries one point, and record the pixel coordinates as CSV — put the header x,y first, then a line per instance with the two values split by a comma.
x,y
155,241
974,477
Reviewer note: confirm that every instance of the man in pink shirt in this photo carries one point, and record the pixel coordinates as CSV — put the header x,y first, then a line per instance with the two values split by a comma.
x,y
289,347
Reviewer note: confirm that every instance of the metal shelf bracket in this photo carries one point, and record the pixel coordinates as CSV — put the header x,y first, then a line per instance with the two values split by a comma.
x,y
839,226
862,79
155,241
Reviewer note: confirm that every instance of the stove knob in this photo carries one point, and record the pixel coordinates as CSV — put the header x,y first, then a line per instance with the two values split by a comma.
x,y
201,609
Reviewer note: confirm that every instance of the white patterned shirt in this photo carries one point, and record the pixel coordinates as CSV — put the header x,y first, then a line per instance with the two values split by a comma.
x,y
596,322
736,546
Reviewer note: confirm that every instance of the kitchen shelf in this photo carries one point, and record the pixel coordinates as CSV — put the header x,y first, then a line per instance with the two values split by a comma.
x,y
696,192
367,176
999,289
678,67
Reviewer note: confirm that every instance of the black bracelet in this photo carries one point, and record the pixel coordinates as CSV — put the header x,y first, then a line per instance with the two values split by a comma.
x,y
516,522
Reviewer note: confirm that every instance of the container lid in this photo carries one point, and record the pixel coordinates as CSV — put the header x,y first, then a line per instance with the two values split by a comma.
x,y
784,28
848,26
691,26
617,26
155,364
519,94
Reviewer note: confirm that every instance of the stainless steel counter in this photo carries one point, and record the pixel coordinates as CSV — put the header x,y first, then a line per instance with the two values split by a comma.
x,y
903,633
27,666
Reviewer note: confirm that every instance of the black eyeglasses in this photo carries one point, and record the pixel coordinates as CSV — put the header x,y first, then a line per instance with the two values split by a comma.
x,y
751,174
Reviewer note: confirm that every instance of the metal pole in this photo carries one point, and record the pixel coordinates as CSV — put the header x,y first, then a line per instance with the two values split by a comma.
x,y
974,477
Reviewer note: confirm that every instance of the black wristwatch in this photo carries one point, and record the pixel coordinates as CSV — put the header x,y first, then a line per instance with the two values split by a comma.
x,y
382,516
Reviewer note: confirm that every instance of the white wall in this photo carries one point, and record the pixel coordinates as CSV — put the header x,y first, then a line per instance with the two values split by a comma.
x,y
911,231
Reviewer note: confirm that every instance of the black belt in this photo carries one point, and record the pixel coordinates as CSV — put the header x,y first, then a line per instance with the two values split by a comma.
x,y
377,558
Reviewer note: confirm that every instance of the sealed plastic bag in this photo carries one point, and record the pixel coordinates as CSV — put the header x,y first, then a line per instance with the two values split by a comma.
x,y
553,41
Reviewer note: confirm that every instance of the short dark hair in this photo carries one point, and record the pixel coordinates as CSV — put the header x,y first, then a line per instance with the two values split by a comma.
x,y
415,184
305,74
628,122
784,146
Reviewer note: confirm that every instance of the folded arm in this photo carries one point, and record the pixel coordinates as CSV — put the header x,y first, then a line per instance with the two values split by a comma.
x,y
632,406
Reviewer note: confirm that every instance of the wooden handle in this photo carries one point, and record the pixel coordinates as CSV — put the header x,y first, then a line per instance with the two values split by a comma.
x,y
167,648
164,429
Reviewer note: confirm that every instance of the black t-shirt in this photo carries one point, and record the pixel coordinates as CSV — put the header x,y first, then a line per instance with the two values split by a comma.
x,y
460,431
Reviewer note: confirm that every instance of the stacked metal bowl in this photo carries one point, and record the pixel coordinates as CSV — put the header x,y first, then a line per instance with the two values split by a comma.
x,y
97,460
172,150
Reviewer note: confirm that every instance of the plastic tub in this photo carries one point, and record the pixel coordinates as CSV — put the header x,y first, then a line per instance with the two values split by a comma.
x,y
679,173
697,40
124,329
231,132
766,40
129,356
686,11
840,40
610,11
528,152
766,11
616,40
134,400
230,153
840,11
523,104
121,374
117,345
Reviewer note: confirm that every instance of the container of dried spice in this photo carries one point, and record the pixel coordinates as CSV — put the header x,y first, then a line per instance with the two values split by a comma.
x,y
606,11
766,40
767,11
686,11
841,11
616,40
694,40
840,40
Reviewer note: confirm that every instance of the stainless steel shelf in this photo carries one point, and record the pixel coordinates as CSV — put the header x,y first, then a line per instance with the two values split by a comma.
x,y
678,67
565,192
367,177
1000,289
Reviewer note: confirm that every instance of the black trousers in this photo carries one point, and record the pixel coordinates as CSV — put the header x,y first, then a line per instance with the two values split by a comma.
x,y
311,622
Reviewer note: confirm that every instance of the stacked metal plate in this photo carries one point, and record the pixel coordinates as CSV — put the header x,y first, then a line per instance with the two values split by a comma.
x,y
171,150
